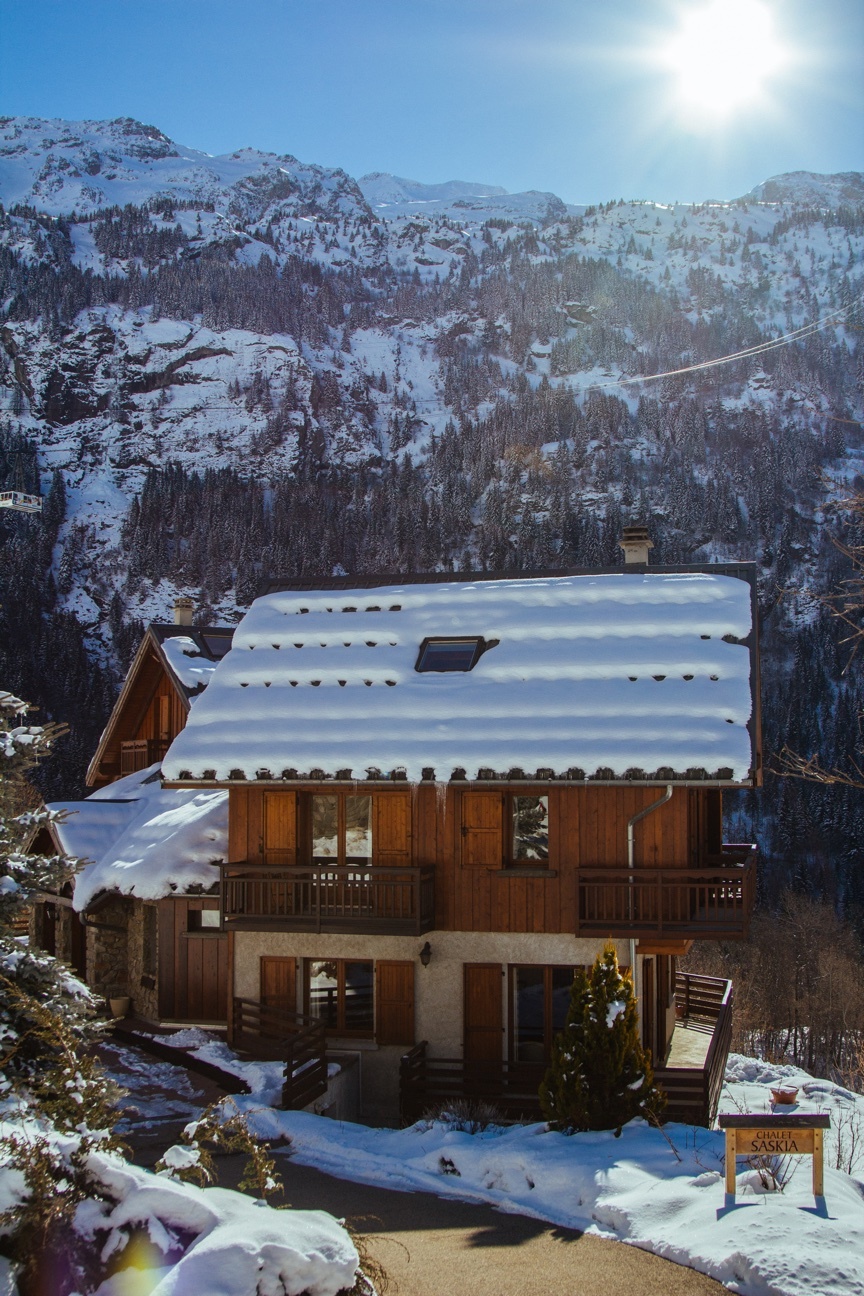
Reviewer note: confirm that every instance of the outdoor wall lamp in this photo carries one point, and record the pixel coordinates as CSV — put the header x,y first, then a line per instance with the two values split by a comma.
x,y
426,954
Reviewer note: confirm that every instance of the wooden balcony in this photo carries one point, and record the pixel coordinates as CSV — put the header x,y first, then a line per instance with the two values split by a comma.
x,y
691,1077
712,902
328,898
139,753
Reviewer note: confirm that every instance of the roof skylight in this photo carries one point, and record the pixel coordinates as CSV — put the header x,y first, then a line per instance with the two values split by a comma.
x,y
449,654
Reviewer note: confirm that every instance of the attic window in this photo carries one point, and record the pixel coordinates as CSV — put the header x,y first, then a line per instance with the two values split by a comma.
x,y
450,654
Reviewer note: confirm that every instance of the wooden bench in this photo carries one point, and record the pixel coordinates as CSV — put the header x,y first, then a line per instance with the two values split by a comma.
x,y
768,1135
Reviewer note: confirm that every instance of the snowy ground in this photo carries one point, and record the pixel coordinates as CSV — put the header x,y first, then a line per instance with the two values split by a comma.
x,y
662,1193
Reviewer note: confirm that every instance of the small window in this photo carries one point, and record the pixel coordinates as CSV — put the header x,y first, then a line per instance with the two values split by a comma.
x,y
449,654
339,994
529,817
203,920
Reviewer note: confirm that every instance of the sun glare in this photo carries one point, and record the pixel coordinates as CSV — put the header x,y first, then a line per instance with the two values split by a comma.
x,y
723,55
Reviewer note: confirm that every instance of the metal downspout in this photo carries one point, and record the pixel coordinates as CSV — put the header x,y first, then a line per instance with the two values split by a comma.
x,y
631,864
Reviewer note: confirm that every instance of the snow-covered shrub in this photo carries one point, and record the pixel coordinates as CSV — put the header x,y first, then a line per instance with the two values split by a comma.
x,y
223,1130
600,1076
468,1115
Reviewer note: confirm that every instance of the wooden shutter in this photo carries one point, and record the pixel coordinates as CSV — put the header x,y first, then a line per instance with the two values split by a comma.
x,y
482,819
279,982
483,1012
394,1003
280,827
391,829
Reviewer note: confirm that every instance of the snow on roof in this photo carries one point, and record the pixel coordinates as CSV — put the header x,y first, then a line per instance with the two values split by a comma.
x,y
144,840
607,672
192,668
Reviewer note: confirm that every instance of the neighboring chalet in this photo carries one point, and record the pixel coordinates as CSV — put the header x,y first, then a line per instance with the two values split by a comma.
x,y
445,792
138,922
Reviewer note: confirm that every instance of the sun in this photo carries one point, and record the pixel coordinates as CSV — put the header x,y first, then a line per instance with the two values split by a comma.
x,y
722,56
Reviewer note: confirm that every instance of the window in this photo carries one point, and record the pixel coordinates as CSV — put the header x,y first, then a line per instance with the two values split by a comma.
x,y
529,830
539,999
505,830
340,829
203,920
450,654
339,994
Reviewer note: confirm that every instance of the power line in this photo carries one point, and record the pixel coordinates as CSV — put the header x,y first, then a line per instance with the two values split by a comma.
x,y
797,335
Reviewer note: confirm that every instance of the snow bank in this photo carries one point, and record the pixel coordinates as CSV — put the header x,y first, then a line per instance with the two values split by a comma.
x,y
240,1245
214,1241
618,672
634,1188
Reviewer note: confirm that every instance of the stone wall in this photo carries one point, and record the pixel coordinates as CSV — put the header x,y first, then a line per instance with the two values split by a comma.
x,y
108,949
143,958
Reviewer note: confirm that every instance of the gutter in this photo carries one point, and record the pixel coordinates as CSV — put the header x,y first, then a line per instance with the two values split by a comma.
x,y
631,864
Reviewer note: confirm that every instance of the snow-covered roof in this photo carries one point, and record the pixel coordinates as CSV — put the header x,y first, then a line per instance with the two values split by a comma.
x,y
144,840
604,673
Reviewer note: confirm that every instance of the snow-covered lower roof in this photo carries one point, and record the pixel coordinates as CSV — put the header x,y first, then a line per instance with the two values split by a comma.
x,y
603,674
144,840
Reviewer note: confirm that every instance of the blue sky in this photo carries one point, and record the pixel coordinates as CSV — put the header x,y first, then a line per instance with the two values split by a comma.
x,y
573,97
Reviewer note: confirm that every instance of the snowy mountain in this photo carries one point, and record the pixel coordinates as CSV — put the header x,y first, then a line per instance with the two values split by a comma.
x,y
816,190
392,196
227,367
62,167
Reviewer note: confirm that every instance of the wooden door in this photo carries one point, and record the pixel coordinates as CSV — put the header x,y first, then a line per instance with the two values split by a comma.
x,y
483,1012
482,845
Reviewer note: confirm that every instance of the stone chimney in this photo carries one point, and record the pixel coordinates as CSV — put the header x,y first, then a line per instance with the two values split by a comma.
x,y
183,609
635,542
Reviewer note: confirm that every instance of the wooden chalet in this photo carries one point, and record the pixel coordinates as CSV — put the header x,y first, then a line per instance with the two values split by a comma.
x,y
172,666
445,792
139,920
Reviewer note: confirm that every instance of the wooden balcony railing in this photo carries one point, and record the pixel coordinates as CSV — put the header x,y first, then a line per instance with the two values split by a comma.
x,y
329,898
714,901
272,1031
139,753
692,1093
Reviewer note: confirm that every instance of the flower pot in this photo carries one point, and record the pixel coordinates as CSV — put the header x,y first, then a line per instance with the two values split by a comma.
x,y
784,1097
119,1006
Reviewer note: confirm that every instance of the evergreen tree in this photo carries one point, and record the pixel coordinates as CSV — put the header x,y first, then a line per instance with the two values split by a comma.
x,y
600,1077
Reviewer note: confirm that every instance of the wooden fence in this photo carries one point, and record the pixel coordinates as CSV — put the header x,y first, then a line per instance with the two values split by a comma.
x,y
692,1093
270,1031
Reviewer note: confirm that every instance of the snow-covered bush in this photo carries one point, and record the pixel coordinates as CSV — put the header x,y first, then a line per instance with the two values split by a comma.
x,y
600,1077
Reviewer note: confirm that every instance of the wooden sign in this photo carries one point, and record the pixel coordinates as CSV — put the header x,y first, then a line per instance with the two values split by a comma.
x,y
769,1135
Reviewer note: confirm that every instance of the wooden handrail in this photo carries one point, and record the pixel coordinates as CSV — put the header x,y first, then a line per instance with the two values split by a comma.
x,y
329,897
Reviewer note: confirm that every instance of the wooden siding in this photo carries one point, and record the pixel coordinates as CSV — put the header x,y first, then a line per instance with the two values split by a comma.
x,y
150,710
193,966
459,832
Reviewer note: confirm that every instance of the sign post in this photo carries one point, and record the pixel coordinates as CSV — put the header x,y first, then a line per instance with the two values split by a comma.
x,y
748,1135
